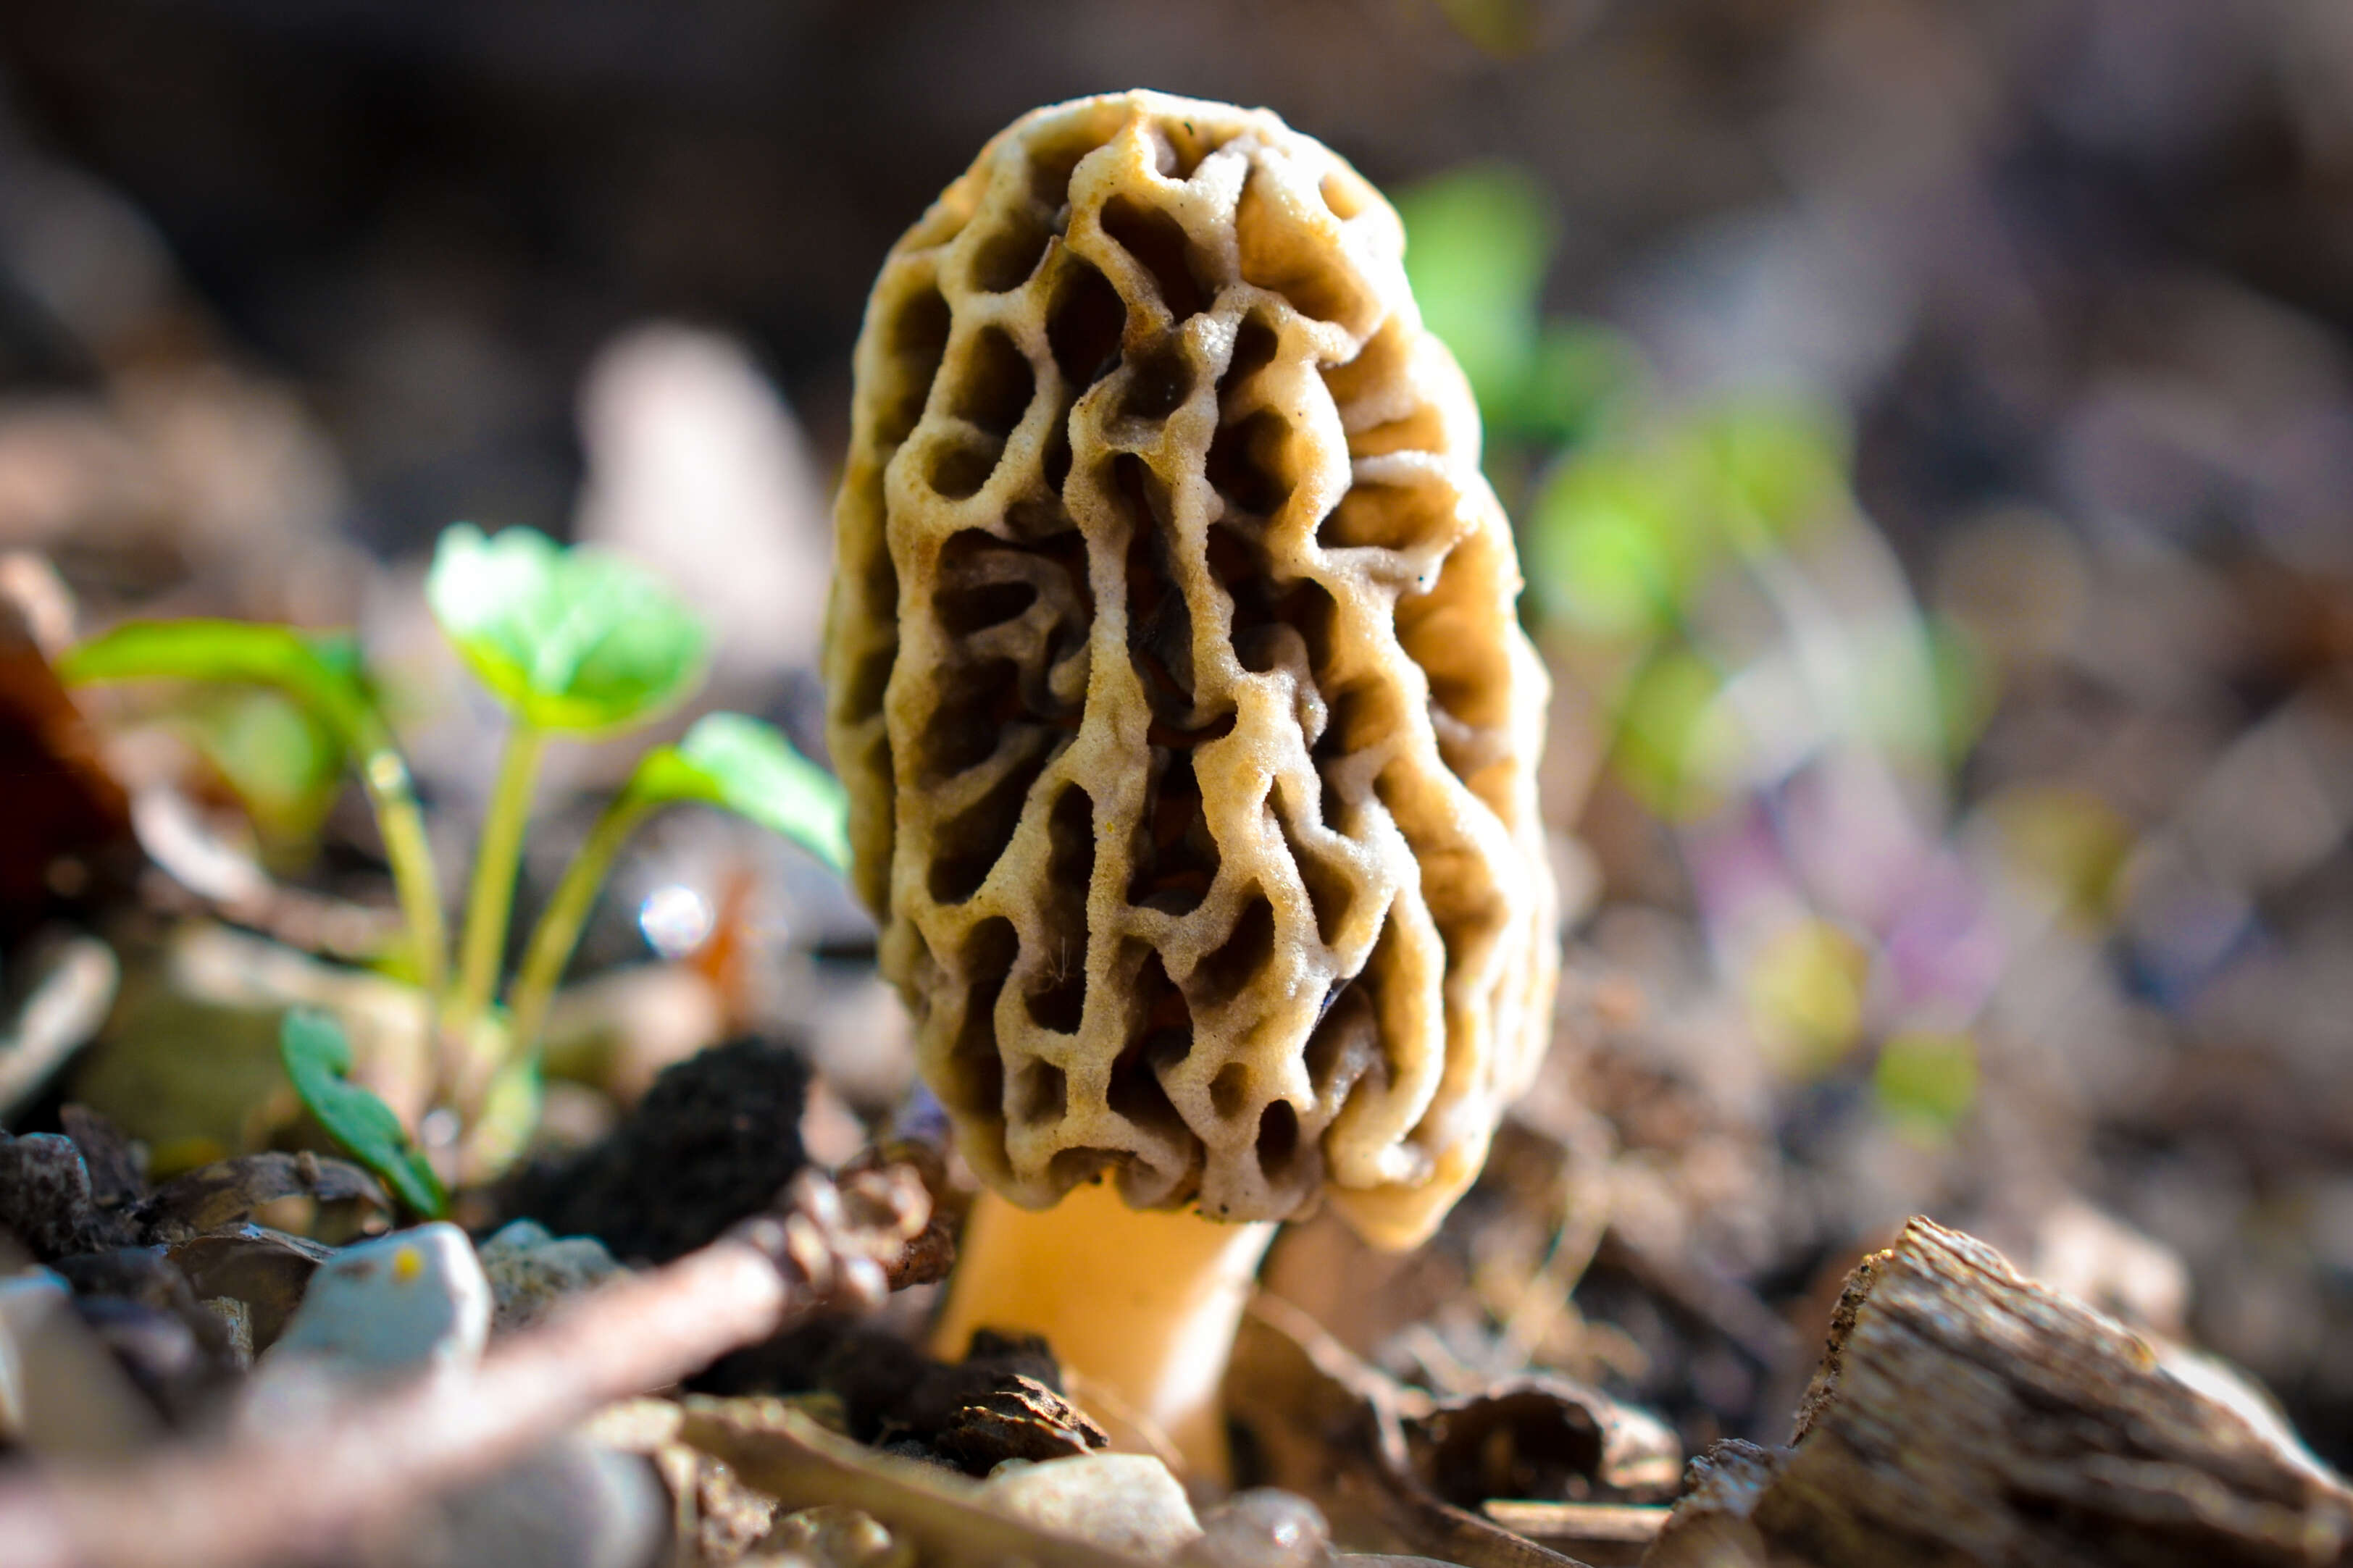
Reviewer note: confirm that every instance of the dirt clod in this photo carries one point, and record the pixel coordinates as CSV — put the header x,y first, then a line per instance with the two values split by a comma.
x,y
715,1138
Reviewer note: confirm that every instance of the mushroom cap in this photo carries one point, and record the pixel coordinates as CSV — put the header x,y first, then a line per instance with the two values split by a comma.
x,y
1173,670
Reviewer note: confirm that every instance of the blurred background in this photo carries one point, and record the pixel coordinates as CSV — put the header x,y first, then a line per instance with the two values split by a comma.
x,y
1929,428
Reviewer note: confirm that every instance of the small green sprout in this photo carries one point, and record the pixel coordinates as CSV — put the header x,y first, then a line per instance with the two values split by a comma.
x,y
1926,1081
285,764
571,642
319,1060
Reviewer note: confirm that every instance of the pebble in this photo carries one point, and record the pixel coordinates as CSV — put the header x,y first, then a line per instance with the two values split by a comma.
x,y
571,1503
1128,1502
25,1298
834,1535
414,1299
1263,1528
422,1298
530,1271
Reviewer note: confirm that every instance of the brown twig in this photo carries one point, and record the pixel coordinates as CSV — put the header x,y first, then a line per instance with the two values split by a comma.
x,y
305,1491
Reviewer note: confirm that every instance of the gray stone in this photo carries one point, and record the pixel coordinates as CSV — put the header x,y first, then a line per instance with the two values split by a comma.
x,y
570,1504
1128,1502
414,1299
1263,1528
833,1535
529,1272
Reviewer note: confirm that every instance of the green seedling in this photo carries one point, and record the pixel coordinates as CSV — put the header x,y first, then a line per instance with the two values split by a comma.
x,y
319,1060
571,642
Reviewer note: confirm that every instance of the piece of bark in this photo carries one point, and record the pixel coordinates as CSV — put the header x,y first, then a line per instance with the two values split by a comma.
x,y
45,1199
1963,1415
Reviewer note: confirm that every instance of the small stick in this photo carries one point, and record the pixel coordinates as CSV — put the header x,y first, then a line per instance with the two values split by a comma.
x,y
305,1491
1565,1526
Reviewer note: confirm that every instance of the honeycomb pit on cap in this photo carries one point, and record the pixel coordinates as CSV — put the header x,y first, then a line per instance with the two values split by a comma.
x,y
1175,679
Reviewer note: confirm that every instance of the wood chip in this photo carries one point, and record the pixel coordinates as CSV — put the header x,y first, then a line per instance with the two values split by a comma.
x,y
1964,1415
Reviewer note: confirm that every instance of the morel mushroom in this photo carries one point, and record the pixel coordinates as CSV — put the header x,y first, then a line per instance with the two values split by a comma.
x,y
1189,734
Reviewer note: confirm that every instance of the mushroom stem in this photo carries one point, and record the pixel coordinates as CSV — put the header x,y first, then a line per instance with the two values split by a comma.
x,y
1140,1303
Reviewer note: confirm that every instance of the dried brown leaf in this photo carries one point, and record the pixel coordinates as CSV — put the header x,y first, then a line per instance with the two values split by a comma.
x,y
224,1193
265,1270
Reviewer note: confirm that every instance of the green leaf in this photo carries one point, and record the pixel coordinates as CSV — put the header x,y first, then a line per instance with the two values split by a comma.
x,y
1478,243
1926,1079
319,1060
1617,544
1776,464
284,761
322,672
576,640
748,767
1667,745
1579,373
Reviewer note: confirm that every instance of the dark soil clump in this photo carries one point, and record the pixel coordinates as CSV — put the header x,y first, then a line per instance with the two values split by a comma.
x,y
715,1140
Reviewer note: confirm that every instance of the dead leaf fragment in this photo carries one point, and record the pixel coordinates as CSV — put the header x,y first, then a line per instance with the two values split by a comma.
x,y
265,1270
227,1192
1543,1437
